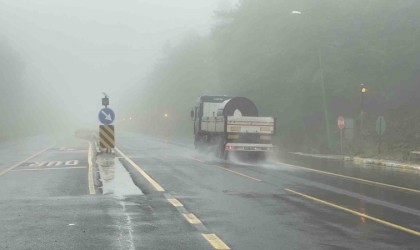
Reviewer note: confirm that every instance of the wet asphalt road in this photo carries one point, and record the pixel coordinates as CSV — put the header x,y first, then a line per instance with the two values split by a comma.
x,y
305,204
158,195
46,203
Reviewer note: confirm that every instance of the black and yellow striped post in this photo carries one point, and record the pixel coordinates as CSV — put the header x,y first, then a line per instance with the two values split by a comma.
x,y
106,136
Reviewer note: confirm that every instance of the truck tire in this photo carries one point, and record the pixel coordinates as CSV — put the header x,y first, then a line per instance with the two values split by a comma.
x,y
262,156
221,152
226,155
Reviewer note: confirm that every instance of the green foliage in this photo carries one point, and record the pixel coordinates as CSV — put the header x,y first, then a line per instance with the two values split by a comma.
x,y
276,58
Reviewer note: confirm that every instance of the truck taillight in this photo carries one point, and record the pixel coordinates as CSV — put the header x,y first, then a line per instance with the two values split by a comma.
x,y
228,147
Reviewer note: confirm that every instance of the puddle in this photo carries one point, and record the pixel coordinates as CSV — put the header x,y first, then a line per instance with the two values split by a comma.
x,y
115,178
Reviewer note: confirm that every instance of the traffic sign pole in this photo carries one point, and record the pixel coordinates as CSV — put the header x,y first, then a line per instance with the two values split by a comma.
x,y
380,130
380,139
341,122
106,131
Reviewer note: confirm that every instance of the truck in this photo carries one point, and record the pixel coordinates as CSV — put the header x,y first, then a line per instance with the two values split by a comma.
x,y
231,125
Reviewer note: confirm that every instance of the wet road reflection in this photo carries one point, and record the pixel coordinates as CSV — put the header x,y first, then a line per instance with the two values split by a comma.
x,y
114,177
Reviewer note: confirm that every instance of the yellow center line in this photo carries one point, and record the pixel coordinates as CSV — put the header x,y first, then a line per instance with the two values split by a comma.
x,y
23,161
142,172
243,175
90,171
175,202
215,241
192,219
360,180
386,223
198,160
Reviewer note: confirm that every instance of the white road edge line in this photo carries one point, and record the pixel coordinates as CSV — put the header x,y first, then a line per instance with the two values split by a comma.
x,y
23,161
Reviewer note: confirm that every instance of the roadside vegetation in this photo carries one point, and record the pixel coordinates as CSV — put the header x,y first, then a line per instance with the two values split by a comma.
x,y
261,50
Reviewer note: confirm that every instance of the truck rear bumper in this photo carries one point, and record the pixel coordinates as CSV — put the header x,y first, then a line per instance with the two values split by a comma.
x,y
249,147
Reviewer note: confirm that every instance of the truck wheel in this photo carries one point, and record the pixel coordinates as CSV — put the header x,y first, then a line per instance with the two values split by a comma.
x,y
221,153
262,156
225,155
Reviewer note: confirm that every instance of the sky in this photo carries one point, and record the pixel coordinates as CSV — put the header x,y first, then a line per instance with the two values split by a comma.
x,y
74,50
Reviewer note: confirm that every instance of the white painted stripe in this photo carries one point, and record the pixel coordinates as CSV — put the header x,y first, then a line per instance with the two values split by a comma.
x,y
40,169
21,162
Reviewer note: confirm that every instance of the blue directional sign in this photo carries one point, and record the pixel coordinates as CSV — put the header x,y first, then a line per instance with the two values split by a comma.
x,y
106,116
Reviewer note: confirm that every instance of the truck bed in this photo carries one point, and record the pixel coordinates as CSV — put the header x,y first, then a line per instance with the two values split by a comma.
x,y
239,124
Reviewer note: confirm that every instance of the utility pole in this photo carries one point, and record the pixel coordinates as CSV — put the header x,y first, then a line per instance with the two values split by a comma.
x,y
323,88
324,98
363,91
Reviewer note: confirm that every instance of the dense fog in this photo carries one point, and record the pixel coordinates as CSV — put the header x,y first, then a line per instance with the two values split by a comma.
x,y
300,61
57,57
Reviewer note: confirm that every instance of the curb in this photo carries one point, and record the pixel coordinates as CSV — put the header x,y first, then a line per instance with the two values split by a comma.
x,y
380,162
98,150
359,160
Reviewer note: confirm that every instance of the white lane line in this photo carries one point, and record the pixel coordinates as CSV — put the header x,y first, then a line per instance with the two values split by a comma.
x,y
40,169
141,171
21,162
90,171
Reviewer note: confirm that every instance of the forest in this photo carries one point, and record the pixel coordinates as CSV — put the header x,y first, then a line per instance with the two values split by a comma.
x,y
287,56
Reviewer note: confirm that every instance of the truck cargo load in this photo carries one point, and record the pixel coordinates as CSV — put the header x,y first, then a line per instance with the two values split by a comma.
x,y
231,124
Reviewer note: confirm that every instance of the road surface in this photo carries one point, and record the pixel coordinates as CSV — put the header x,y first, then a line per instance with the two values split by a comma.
x,y
159,195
